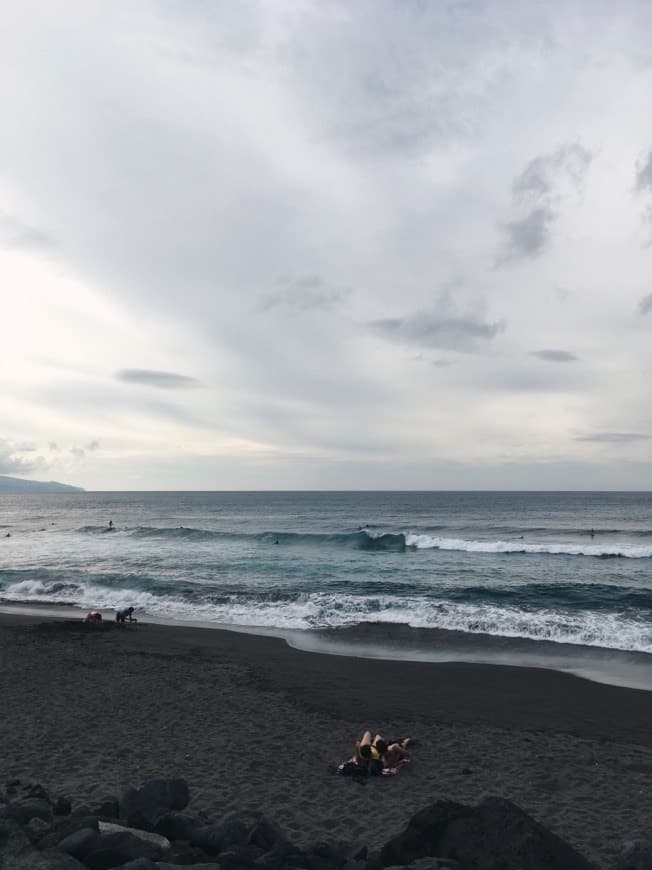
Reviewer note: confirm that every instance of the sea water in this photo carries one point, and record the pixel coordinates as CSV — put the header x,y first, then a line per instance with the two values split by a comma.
x,y
419,574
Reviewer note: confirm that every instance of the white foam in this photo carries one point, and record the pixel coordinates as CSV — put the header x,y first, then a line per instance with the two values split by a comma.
x,y
327,610
429,542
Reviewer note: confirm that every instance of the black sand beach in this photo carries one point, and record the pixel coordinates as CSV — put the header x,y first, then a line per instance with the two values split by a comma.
x,y
252,723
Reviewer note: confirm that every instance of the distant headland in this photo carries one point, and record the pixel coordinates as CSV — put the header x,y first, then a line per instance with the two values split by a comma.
x,y
17,485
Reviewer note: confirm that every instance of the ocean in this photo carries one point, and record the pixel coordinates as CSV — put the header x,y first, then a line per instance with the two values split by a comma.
x,y
554,579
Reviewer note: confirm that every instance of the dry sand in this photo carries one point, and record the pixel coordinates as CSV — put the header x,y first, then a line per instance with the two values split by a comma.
x,y
251,723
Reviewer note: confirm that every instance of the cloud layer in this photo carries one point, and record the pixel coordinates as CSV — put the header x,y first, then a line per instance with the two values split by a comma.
x,y
309,244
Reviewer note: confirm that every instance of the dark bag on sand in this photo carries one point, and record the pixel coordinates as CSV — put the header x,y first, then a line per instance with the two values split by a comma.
x,y
350,768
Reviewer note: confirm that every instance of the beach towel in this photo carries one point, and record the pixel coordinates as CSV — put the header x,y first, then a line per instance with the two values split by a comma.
x,y
350,768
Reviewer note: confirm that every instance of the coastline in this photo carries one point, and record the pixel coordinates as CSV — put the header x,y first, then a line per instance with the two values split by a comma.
x,y
251,722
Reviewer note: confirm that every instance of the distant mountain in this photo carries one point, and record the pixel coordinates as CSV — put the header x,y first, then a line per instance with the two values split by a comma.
x,y
17,485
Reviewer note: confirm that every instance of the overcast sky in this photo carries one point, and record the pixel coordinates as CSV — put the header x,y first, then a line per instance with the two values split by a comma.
x,y
317,245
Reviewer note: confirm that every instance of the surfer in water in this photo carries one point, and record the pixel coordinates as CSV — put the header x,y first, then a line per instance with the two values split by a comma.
x,y
110,525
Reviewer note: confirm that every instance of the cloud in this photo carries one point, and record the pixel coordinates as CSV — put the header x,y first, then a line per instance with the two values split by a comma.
x,y
555,355
161,380
543,176
78,452
52,445
12,461
645,304
93,445
433,330
615,437
541,187
528,236
644,174
304,293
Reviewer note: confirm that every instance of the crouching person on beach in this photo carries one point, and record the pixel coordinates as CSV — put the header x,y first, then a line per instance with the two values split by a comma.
x,y
94,617
124,615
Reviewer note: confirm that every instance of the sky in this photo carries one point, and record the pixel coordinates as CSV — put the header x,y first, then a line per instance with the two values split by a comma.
x,y
310,244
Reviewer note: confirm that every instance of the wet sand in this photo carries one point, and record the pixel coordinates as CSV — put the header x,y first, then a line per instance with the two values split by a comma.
x,y
251,722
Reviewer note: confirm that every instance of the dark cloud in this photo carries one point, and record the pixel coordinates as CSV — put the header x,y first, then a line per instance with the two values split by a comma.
x,y
527,237
645,304
93,445
52,445
555,355
304,293
162,380
78,452
541,177
644,174
544,183
17,235
615,437
431,329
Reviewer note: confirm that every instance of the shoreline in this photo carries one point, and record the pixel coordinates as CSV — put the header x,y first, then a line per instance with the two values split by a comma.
x,y
251,722
401,643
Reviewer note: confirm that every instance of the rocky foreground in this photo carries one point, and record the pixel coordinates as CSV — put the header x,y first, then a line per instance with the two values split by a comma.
x,y
147,829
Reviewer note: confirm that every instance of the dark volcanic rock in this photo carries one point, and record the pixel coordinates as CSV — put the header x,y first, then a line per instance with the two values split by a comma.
x,y
140,864
36,860
61,806
234,830
176,826
494,835
184,853
115,849
143,807
23,809
163,865
16,853
64,827
79,843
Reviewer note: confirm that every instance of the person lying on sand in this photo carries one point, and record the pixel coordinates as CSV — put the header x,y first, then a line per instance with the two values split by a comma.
x,y
393,753
93,617
376,757
389,754
124,615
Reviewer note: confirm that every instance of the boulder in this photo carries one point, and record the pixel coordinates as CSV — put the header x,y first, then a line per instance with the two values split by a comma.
x,y
22,809
156,840
63,828
184,853
239,858
163,865
234,830
176,826
37,828
327,856
139,864
142,807
61,806
117,848
79,843
494,834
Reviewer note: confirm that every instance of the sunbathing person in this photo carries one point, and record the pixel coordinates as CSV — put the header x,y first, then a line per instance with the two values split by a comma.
x,y
393,753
